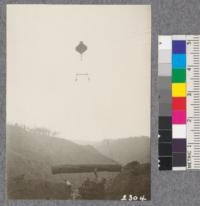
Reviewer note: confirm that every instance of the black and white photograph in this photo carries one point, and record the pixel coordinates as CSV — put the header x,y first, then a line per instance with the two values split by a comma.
x,y
78,102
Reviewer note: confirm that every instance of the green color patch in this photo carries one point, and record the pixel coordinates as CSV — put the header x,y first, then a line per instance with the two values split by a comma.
x,y
178,75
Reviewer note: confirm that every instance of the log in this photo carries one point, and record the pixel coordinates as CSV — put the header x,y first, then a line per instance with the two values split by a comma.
x,y
83,168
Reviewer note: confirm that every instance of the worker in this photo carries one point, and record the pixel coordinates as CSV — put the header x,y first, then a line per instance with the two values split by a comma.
x,y
68,187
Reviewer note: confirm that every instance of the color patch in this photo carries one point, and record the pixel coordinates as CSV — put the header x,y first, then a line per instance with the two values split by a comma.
x,y
179,103
179,145
164,83
165,109
178,75
165,163
178,61
165,95
164,69
178,90
178,46
179,159
165,122
165,149
178,131
178,117
164,56
165,43
165,135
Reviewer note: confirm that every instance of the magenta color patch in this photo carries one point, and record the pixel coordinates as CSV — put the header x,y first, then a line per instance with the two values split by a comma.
x,y
179,117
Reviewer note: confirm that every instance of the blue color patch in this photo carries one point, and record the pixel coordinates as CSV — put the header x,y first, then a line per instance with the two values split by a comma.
x,y
178,61
178,46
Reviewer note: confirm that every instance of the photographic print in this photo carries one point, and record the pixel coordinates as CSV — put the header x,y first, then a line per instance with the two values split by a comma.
x,y
78,102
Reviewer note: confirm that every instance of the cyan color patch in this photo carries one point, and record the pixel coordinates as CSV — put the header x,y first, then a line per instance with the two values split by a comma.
x,y
179,61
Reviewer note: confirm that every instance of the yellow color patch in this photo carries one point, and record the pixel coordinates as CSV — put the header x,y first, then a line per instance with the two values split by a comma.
x,y
178,90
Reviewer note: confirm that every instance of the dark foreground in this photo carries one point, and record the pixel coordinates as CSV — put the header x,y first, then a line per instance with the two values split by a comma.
x,y
132,181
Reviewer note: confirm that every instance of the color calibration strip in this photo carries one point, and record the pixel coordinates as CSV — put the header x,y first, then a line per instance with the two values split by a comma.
x,y
165,102
179,102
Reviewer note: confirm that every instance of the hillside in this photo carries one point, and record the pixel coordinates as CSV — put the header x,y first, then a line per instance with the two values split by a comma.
x,y
134,179
126,150
32,153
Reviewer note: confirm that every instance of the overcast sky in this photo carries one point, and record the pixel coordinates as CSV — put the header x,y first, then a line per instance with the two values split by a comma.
x,y
42,63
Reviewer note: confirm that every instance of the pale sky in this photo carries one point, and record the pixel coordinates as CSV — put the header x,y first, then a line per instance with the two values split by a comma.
x,y
42,63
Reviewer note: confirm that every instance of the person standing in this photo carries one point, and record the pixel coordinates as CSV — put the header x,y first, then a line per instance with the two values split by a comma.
x,y
68,187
